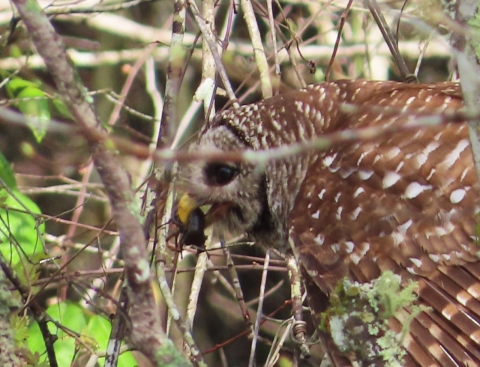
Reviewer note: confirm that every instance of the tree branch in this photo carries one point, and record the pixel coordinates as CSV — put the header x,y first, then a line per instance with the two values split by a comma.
x,y
146,334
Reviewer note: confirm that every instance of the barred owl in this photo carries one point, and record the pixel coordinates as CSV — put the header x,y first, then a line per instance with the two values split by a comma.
x,y
405,202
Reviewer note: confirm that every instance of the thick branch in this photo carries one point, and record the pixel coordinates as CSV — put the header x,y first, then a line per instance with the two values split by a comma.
x,y
147,333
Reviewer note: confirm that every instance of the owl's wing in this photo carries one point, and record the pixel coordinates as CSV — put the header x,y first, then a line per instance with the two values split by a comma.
x,y
406,204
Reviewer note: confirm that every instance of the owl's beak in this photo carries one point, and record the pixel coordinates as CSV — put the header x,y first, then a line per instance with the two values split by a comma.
x,y
187,204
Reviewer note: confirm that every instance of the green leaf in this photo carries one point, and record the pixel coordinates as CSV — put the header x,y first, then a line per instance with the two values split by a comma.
x,y
125,360
72,316
15,51
65,351
62,109
64,348
99,329
6,173
68,314
16,85
19,232
35,340
20,326
34,103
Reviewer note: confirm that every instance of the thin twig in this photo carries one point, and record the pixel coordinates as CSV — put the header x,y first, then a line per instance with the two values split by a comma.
x,y
390,40
343,19
79,206
238,289
128,84
82,59
210,38
273,28
256,327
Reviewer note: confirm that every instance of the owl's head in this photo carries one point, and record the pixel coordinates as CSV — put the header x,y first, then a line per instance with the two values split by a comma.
x,y
235,191
246,198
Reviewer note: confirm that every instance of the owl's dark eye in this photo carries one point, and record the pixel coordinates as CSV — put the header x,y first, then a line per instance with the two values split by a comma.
x,y
220,174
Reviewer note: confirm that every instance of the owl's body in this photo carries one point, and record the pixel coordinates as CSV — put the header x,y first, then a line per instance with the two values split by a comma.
x,y
405,201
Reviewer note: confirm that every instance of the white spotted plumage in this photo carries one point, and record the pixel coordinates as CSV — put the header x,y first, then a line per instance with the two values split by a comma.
x,y
407,202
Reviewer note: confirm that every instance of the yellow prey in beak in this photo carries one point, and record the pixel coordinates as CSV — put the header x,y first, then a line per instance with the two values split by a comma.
x,y
192,222
186,206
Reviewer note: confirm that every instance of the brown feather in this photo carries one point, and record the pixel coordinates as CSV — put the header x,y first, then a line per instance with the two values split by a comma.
x,y
405,202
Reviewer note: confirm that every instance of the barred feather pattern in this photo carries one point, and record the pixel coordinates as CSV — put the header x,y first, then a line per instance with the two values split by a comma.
x,y
405,202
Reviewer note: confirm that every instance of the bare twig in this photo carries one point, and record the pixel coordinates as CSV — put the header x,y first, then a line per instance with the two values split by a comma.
x,y
343,18
82,59
299,325
320,143
210,38
258,50
256,328
238,289
390,40
273,33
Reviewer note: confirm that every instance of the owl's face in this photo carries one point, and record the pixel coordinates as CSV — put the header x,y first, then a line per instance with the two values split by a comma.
x,y
236,191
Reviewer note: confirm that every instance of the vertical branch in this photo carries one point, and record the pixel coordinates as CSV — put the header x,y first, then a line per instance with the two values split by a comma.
x,y
210,39
299,327
273,32
237,287
176,59
261,298
390,40
208,72
258,50
169,122
208,62
175,314
343,19
469,69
